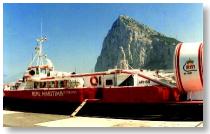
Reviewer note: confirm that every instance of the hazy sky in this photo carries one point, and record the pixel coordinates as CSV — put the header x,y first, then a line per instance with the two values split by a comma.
x,y
76,32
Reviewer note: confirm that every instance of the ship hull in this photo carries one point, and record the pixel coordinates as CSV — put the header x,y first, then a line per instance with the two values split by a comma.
x,y
116,95
150,111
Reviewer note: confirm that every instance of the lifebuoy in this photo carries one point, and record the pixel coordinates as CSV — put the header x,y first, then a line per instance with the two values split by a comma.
x,y
32,72
189,66
94,81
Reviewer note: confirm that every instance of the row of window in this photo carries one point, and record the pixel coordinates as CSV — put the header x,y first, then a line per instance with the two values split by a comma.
x,y
62,84
57,84
49,84
72,84
43,71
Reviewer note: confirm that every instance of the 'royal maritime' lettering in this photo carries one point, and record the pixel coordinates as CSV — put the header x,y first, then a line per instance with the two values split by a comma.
x,y
52,93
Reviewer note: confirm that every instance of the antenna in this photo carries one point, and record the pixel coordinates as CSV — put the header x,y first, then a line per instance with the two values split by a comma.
x,y
39,57
41,28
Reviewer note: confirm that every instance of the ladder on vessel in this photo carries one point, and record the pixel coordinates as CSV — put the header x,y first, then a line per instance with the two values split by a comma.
x,y
81,106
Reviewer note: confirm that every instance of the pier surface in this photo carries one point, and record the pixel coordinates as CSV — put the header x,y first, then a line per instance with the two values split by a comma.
x,y
58,114
28,119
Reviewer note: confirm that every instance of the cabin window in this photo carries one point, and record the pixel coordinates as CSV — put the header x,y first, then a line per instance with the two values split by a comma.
x,y
43,85
55,84
48,73
69,83
29,85
52,83
73,83
43,70
65,83
109,82
48,84
37,70
36,84
60,84
99,82
128,82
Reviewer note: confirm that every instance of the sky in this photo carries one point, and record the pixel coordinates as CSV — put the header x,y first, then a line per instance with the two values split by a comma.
x,y
75,32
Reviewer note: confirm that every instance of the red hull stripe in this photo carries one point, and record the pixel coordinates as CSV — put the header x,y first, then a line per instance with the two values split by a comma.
x,y
94,74
82,75
37,67
202,60
175,66
200,64
178,68
48,78
177,74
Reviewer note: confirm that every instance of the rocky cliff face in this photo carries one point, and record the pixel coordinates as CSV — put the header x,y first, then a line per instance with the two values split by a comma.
x,y
141,46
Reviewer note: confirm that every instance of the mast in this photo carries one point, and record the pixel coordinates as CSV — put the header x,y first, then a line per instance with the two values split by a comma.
x,y
39,57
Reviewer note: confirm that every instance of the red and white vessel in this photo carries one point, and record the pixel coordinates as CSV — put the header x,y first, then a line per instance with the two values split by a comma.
x,y
41,82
